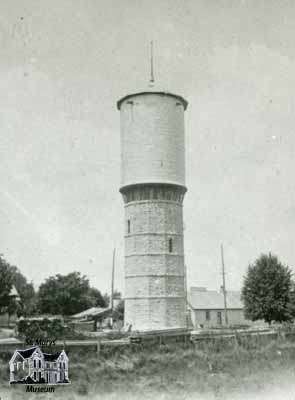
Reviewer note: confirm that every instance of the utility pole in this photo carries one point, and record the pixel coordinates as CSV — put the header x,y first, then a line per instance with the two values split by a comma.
x,y
112,286
186,298
223,286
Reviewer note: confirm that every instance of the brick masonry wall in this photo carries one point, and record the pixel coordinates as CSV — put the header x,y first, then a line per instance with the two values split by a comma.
x,y
154,216
154,276
155,313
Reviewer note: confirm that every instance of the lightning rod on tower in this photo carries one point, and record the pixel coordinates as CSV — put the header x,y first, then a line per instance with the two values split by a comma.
x,y
152,78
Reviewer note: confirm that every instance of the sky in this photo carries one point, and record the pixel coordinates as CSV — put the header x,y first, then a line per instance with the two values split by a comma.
x,y
65,63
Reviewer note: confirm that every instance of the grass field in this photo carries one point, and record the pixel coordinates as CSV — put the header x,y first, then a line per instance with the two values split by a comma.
x,y
217,371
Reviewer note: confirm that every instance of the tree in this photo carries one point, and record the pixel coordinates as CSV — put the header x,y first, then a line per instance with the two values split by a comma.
x,y
9,276
119,311
26,291
266,292
96,298
292,300
67,294
5,284
107,297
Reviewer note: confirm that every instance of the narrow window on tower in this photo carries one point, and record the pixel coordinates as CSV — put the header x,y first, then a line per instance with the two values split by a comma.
x,y
128,225
170,246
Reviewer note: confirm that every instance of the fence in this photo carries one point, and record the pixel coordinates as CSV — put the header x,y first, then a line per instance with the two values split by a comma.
x,y
159,338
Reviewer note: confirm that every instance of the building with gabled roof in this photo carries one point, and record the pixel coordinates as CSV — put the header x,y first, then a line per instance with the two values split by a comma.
x,y
33,366
93,312
207,308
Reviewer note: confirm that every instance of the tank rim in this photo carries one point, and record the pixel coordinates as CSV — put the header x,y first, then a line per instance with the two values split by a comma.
x,y
180,98
129,186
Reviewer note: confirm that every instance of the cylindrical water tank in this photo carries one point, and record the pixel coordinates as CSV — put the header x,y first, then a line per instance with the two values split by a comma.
x,y
152,138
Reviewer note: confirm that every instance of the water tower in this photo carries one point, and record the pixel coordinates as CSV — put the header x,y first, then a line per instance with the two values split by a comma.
x,y
153,188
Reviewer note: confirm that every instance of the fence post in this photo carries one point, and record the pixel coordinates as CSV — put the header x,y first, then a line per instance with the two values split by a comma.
x,y
98,347
281,334
236,340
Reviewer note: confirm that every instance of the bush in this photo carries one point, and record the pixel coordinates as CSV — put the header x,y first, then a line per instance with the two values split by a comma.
x,y
40,328
47,328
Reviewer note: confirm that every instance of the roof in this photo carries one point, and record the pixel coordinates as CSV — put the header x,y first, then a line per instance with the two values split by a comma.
x,y
203,299
13,291
28,352
91,312
179,98
41,317
51,357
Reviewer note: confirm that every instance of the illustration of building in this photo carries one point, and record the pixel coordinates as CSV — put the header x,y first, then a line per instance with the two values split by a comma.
x,y
34,366
153,188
